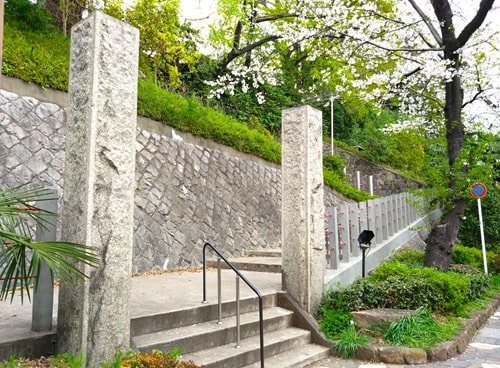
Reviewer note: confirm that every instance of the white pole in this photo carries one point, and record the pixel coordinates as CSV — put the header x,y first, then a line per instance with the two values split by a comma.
x,y
331,121
371,184
358,179
483,245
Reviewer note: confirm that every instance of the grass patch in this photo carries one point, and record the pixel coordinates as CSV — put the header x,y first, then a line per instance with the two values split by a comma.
x,y
41,58
419,330
349,341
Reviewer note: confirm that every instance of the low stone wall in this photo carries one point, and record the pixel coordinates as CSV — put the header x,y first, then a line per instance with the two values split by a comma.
x,y
442,352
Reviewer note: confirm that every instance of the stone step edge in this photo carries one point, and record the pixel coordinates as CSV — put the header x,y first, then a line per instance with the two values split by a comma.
x,y
148,323
253,263
298,358
247,320
282,339
263,253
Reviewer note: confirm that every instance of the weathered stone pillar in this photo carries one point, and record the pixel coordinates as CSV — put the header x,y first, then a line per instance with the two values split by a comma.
x,y
99,177
303,213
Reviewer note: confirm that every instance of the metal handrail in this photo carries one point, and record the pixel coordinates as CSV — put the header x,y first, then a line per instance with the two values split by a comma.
x,y
250,285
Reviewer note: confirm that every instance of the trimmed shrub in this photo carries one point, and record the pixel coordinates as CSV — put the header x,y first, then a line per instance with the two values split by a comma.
x,y
474,257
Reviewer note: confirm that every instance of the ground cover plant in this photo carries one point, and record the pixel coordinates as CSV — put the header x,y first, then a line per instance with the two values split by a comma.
x,y
154,359
441,300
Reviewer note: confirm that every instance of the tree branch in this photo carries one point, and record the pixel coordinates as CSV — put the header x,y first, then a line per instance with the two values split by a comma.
x,y
234,53
404,49
270,18
476,22
427,22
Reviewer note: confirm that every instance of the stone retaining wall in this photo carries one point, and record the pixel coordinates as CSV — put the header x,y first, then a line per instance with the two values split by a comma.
x,y
385,181
188,190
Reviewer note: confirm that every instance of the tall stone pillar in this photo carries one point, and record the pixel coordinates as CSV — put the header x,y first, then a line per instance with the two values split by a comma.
x,y
303,212
99,183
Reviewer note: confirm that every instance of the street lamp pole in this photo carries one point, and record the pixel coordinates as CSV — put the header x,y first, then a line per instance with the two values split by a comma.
x,y
331,120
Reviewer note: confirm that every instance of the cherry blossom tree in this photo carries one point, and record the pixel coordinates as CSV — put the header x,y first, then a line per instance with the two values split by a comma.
x,y
431,60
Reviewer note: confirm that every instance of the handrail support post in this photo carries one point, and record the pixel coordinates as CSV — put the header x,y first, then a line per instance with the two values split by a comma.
x,y
238,329
219,291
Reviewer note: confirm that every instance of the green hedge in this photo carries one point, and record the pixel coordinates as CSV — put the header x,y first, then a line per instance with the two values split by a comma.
x,y
474,257
397,285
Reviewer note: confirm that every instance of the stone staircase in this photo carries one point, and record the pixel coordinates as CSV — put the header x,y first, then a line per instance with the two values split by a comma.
x,y
291,338
257,260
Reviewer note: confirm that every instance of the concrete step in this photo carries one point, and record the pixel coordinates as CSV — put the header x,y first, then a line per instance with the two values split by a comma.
x,y
230,356
156,322
264,252
299,357
206,335
251,263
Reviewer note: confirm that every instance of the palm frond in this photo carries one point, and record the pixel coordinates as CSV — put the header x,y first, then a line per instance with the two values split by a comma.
x,y
21,256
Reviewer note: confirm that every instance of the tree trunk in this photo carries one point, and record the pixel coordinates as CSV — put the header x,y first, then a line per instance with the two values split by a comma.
x,y
442,238
439,248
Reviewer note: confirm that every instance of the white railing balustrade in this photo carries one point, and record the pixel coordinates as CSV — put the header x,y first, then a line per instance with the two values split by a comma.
x,y
385,216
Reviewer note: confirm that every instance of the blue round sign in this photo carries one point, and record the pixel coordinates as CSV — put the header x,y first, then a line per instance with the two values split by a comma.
x,y
478,190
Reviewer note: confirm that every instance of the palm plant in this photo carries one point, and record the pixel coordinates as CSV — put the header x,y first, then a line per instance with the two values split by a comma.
x,y
21,255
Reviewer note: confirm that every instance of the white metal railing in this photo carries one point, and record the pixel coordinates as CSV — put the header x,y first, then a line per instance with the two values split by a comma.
x,y
384,216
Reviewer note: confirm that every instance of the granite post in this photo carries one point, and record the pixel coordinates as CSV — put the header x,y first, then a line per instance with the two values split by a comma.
x,y
303,213
99,177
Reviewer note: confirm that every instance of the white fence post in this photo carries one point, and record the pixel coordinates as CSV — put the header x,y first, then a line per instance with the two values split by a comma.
x,y
384,218
390,216
354,228
343,226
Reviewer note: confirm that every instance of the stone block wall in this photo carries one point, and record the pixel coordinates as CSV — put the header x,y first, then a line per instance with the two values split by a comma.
x,y
385,181
188,190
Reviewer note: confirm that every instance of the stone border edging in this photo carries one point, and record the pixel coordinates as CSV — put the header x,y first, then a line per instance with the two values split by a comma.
x,y
442,352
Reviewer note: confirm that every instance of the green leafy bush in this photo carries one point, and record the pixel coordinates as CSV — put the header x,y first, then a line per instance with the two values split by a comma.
x,y
336,164
334,314
474,257
363,294
334,321
332,180
397,285
410,257
28,15
447,292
